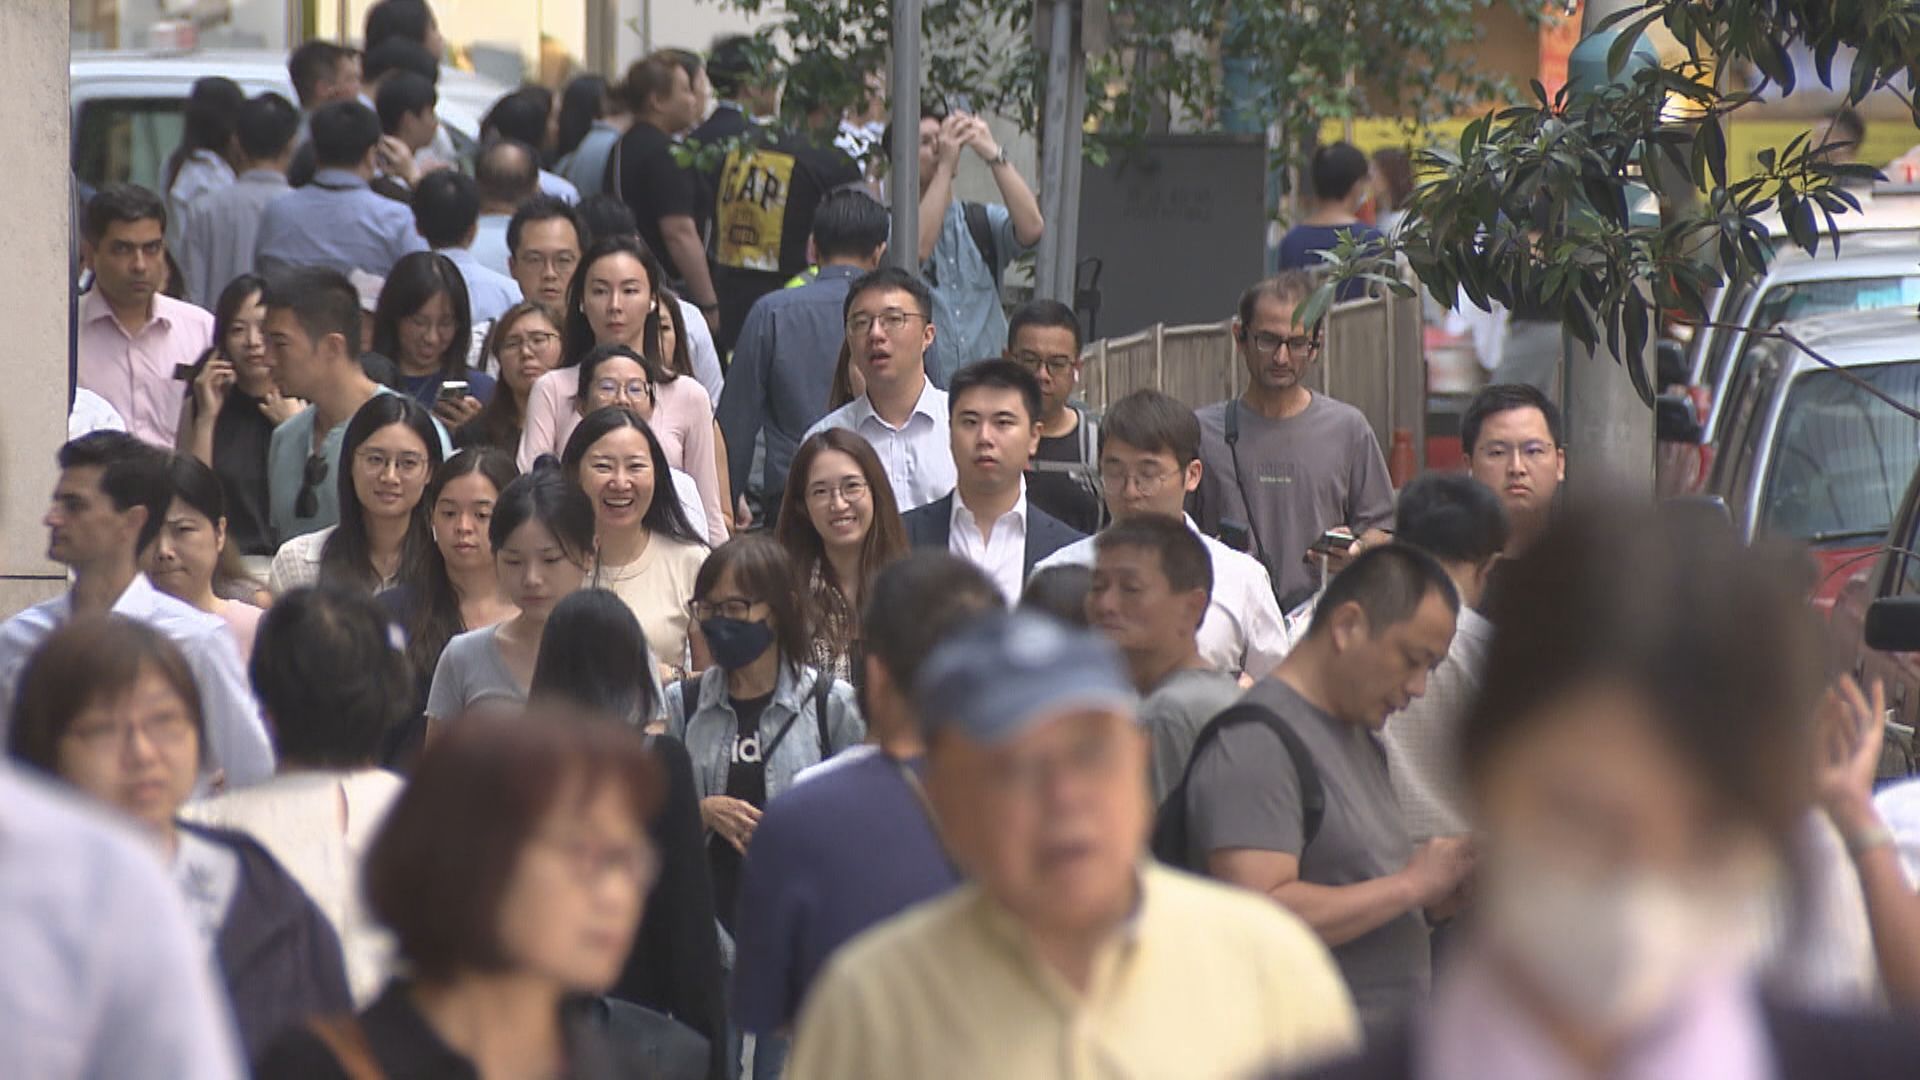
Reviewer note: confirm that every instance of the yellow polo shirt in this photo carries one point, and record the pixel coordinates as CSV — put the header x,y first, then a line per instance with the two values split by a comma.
x,y
1205,981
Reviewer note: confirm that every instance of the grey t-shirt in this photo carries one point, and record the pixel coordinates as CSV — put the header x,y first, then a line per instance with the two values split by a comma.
x,y
1245,794
1304,474
471,672
1174,712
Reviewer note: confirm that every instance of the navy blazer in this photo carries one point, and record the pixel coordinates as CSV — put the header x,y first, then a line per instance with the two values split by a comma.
x,y
931,526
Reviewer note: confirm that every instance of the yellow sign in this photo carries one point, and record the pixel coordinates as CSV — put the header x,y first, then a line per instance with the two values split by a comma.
x,y
751,210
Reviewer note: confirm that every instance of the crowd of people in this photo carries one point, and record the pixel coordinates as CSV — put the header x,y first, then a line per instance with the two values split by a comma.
x,y
577,610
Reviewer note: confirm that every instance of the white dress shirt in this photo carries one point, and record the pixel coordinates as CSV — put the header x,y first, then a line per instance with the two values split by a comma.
x,y
918,455
236,739
1243,631
1002,551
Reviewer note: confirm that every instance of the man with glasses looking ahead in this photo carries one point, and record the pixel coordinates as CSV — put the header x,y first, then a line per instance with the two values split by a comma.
x,y
1044,337
1285,465
889,317
1511,435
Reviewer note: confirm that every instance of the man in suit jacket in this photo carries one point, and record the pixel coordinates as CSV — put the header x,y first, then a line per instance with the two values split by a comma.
x,y
993,412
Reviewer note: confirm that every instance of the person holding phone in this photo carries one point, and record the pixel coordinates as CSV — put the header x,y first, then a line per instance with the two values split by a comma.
x,y
424,324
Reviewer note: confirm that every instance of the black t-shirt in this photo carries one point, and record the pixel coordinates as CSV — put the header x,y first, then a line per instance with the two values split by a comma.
x,y
654,186
1072,497
746,781
766,199
241,435
725,123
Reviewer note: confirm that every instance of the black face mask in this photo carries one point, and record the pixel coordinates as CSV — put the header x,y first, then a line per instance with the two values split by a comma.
x,y
735,643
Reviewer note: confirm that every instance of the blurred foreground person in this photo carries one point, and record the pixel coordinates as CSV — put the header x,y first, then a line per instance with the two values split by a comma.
x,y
512,871
1067,954
1637,763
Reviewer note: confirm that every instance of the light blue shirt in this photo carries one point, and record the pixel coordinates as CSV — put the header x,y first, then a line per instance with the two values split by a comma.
x,y
338,222
489,245
287,462
586,167
103,976
970,322
558,187
489,292
236,739
220,231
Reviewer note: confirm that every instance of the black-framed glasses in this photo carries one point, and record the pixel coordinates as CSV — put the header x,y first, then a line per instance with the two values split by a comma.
x,y
733,607
306,503
892,320
1265,344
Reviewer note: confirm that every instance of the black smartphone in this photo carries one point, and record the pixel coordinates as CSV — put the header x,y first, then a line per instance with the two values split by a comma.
x,y
1333,542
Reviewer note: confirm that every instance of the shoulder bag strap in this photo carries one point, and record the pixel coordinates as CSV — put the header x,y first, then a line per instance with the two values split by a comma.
x,y
346,1040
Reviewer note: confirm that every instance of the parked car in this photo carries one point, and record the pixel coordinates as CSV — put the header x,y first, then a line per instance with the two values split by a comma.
x,y
1809,453
128,106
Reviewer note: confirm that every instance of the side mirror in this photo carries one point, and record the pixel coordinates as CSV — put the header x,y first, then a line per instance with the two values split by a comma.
x,y
1893,624
1670,363
1674,420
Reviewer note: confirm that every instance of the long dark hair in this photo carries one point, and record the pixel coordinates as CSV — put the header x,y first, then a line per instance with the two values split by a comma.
x,y
197,485
416,279
225,310
213,108
347,557
886,538
681,362
590,366
501,420
664,514
581,103
435,614
579,332
593,654
763,571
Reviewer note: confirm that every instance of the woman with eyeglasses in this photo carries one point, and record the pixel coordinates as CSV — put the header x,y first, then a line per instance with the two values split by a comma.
x,y
110,706
761,714
525,344
840,524
192,558
618,296
389,451
424,324
647,551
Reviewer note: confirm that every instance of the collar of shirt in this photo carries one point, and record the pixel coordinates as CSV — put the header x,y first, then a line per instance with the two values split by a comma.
x,y
273,177
1473,626
94,308
963,516
1111,961
338,179
931,404
135,602
790,688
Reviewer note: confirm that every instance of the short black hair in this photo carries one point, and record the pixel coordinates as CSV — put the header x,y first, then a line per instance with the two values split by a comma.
x,y
594,655
322,300
329,676
117,203
887,278
400,54
266,126
521,115
403,94
407,19
730,64
1045,313
998,373
1183,555
849,224
1059,591
132,473
1452,517
446,206
312,62
1389,583
917,602
1154,422
343,132
1506,397
537,209
603,214
1335,168
508,171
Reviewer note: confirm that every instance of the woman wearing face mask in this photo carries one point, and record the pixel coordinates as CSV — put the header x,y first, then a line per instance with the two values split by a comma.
x,y
542,534
230,412
615,298
424,324
191,558
525,344
1639,762
390,449
647,552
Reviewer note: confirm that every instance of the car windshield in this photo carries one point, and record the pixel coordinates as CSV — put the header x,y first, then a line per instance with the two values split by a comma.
x,y
1804,299
1842,457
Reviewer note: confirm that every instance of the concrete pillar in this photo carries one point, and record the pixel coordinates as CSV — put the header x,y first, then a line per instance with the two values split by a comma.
x,y
35,264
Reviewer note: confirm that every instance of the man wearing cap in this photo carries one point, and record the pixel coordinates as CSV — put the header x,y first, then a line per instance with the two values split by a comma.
x,y
1068,952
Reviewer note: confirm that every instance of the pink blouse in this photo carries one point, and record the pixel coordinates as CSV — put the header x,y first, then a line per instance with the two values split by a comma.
x,y
682,419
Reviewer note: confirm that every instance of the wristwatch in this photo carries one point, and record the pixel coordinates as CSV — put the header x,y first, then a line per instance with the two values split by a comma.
x,y
999,159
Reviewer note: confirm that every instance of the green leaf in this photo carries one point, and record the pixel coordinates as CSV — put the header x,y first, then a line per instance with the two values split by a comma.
x,y
1713,143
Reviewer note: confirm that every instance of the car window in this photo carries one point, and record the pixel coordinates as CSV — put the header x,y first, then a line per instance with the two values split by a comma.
x,y
1720,340
1843,457
1747,396
126,139
1804,299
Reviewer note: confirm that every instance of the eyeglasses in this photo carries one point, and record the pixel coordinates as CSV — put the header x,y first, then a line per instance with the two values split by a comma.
x,y
1057,366
1267,344
532,339
164,730
589,863
306,503
561,264
851,490
1534,451
1146,481
892,320
376,462
632,389
736,607
1090,758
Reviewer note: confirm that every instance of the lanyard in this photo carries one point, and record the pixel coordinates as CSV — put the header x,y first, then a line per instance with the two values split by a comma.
x,y
912,780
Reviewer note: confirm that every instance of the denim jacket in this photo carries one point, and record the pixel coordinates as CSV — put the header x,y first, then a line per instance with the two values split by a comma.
x,y
709,730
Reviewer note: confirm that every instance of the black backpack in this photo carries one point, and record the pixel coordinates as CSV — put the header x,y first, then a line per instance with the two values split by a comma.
x,y
1169,843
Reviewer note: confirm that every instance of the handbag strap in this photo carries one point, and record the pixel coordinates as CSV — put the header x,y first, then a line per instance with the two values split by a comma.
x,y
346,1040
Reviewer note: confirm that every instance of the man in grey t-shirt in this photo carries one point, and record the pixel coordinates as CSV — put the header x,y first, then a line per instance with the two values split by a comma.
x,y
1284,464
1359,881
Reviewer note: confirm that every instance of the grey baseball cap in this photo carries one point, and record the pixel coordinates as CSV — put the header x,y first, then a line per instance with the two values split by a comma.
x,y
1002,673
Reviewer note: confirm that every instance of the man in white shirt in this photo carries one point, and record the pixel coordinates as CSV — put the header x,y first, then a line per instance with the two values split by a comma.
x,y
1149,461
108,505
995,410
889,316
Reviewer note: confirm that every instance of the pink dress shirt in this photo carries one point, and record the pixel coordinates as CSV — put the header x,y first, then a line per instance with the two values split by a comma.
x,y
133,371
682,420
